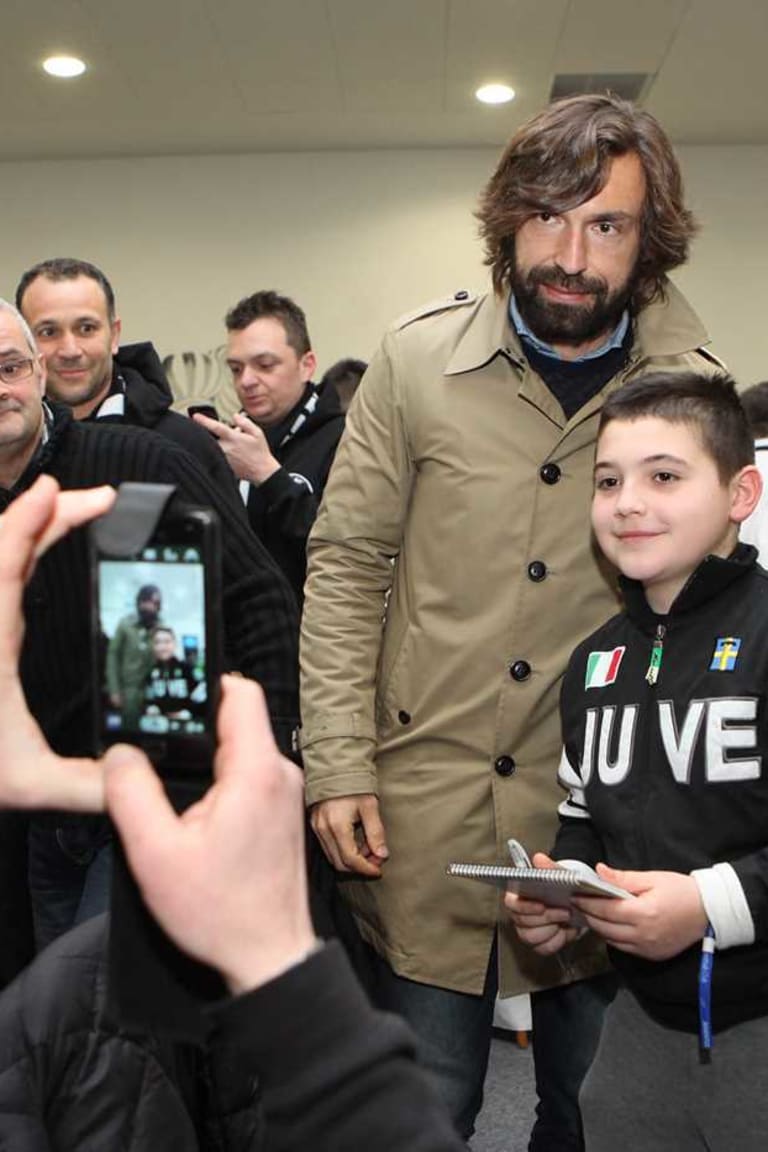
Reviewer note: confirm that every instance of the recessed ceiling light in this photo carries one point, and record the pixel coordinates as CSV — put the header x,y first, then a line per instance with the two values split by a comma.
x,y
495,94
64,66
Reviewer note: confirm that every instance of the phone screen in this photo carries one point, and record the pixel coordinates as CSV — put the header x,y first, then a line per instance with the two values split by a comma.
x,y
158,667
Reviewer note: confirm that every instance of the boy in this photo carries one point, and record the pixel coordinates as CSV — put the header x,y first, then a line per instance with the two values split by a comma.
x,y
173,687
664,727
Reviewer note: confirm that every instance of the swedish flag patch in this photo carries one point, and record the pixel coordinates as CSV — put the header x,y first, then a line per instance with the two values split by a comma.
x,y
725,654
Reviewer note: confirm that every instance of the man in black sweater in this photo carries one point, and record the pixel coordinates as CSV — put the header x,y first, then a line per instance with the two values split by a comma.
x,y
70,307
69,864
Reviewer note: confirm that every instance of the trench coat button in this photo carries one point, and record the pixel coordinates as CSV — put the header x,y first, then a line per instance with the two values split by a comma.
x,y
404,717
537,571
550,473
505,766
462,294
520,670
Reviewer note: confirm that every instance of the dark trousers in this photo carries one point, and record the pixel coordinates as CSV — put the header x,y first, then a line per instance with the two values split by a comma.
x,y
70,869
454,1029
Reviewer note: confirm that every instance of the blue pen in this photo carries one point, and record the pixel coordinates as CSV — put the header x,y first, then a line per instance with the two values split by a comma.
x,y
705,994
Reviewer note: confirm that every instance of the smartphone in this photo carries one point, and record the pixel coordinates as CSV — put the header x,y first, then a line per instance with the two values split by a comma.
x,y
203,410
157,635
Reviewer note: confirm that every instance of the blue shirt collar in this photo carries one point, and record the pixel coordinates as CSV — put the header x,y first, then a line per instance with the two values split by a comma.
x,y
615,340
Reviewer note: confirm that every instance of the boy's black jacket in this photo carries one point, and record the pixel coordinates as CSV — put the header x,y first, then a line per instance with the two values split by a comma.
x,y
685,787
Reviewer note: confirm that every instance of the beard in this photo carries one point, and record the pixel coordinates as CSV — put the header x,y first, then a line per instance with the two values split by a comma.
x,y
572,324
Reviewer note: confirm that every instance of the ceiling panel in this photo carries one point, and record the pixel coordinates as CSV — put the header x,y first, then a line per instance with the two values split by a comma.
x,y
279,53
713,87
502,40
603,36
390,55
207,76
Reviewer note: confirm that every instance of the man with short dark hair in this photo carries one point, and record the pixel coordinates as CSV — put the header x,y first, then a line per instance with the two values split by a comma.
x,y
282,443
70,307
430,686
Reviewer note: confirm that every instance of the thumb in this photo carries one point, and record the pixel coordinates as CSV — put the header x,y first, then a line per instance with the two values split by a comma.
x,y
634,882
373,827
139,808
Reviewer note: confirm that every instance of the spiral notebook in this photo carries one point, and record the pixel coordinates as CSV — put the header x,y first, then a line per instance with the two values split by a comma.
x,y
550,885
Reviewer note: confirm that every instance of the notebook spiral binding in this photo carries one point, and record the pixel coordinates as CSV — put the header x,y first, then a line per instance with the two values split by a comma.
x,y
565,876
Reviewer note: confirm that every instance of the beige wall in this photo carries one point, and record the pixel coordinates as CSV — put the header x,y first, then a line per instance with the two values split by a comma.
x,y
357,237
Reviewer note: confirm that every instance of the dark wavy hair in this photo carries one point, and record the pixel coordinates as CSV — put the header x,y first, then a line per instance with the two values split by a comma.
x,y
561,158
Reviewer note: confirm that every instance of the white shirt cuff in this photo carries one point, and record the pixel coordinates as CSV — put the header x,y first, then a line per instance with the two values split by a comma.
x,y
726,905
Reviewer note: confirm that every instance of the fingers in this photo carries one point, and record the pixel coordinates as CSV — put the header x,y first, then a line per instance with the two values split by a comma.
x,y
30,525
245,424
373,827
339,845
532,912
137,803
548,939
215,427
329,844
22,525
40,517
338,826
73,509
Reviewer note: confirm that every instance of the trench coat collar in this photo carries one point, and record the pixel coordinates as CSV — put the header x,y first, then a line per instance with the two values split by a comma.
x,y
666,327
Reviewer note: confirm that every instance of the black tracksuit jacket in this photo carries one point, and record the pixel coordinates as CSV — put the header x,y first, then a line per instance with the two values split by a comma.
x,y
673,776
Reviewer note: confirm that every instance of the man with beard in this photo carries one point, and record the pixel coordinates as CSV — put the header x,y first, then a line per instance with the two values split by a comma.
x,y
468,462
130,656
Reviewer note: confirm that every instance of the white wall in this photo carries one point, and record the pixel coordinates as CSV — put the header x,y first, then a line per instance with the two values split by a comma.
x,y
357,237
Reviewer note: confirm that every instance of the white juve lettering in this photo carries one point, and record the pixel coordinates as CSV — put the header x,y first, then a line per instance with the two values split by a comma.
x,y
724,737
679,749
588,755
613,772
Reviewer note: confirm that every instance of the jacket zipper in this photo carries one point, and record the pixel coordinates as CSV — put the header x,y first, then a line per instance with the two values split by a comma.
x,y
657,652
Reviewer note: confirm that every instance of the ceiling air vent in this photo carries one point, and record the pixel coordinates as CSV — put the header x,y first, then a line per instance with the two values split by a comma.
x,y
628,85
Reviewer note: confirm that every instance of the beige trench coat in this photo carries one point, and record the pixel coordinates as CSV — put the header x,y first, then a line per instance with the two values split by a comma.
x,y
409,693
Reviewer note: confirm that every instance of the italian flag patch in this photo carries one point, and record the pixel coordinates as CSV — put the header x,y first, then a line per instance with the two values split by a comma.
x,y
603,668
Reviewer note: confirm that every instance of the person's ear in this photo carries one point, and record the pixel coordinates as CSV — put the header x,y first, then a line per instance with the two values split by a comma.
x,y
115,329
746,490
308,365
42,370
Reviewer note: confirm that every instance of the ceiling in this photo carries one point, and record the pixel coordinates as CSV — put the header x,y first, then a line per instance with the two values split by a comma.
x,y
217,76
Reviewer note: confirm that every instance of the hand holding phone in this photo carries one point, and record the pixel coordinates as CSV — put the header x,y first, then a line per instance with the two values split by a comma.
x,y
156,632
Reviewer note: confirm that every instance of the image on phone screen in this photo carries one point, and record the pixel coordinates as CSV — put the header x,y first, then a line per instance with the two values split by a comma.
x,y
153,644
